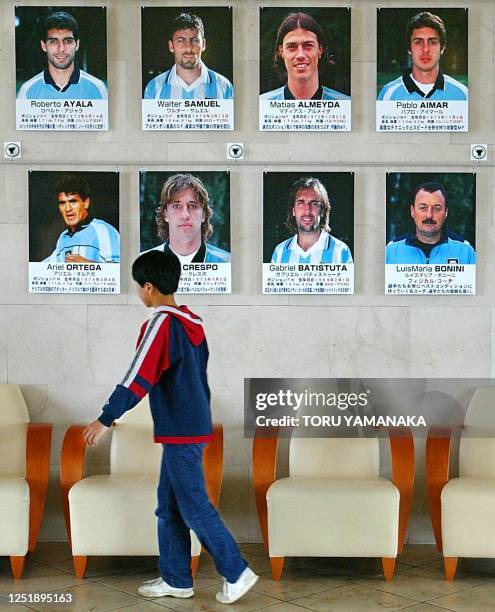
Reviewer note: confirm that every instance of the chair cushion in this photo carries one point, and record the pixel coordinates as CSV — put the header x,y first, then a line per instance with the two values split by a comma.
x,y
468,511
13,449
13,407
14,516
133,449
334,457
115,515
134,452
476,456
333,517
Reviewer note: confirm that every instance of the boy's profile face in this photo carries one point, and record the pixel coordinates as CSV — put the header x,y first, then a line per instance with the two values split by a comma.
x,y
144,293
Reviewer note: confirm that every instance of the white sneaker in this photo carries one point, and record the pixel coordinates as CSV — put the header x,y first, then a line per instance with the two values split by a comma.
x,y
231,592
159,588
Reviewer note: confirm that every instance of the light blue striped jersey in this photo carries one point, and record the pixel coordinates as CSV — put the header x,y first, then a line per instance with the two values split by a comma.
x,y
97,241
81,86
404,88
209,85
207,253
283,93
327,249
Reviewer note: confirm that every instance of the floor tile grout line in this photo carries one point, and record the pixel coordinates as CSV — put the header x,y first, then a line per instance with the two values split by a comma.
x,y
439,607
366,586
434,597
147,601
295,597
470,588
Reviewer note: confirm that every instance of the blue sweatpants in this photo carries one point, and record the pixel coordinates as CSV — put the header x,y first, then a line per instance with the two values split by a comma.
x,y
183,504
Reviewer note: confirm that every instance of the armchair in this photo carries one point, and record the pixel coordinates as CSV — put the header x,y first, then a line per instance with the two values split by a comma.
x,y
24,472
462,508
113,514
303,515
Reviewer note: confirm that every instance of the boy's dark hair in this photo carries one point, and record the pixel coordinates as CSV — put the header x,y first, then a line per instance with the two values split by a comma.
x,y
186,21
160,268
294,21
426,20
60,20
431,187
73,183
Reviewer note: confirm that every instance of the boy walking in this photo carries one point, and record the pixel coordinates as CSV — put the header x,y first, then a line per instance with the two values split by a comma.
x,y
170,364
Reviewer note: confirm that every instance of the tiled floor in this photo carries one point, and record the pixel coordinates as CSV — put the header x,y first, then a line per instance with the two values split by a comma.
x,y
307,584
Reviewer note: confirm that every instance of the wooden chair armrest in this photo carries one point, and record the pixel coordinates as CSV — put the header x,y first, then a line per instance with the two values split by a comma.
x,y
38,444
71,466
402,452
438,448
213,464
265,444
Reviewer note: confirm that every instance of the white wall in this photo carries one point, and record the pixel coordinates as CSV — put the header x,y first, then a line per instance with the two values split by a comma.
x,y
67,352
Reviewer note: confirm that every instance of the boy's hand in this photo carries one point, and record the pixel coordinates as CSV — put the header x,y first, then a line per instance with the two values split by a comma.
x,y
94,432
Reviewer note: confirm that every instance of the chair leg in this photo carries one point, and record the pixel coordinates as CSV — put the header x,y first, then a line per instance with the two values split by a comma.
x,y
80,563
388,564
277,564
17,565
194,565
450,565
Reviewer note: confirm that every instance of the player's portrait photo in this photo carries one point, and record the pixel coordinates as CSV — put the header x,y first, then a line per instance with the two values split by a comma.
x,y
308,219
431,218
74,217
422,54
187,53
61,53
305,54
188,213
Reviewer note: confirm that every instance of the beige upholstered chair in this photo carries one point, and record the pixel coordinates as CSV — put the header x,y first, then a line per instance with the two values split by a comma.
x,y
334,504
24,471
114,514
463,509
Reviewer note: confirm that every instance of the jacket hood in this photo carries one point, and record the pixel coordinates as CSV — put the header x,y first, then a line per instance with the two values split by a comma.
x,y
192,324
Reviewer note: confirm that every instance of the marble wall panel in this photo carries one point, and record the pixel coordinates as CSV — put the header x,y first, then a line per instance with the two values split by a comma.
x,y
451,342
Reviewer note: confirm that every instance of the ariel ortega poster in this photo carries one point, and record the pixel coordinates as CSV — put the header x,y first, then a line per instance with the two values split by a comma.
x,y
308,232
74,240
305,69
431,233
422,70
187,68
188,212
61,68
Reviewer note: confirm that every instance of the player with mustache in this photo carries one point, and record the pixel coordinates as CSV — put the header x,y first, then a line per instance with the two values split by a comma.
x,y
426,40
85,238
430,243
308,215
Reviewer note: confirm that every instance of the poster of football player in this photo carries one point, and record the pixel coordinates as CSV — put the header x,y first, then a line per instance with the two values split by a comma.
x,y
187,68
422,74
431,233
308,232
74,240
188,212
305,69
61,68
